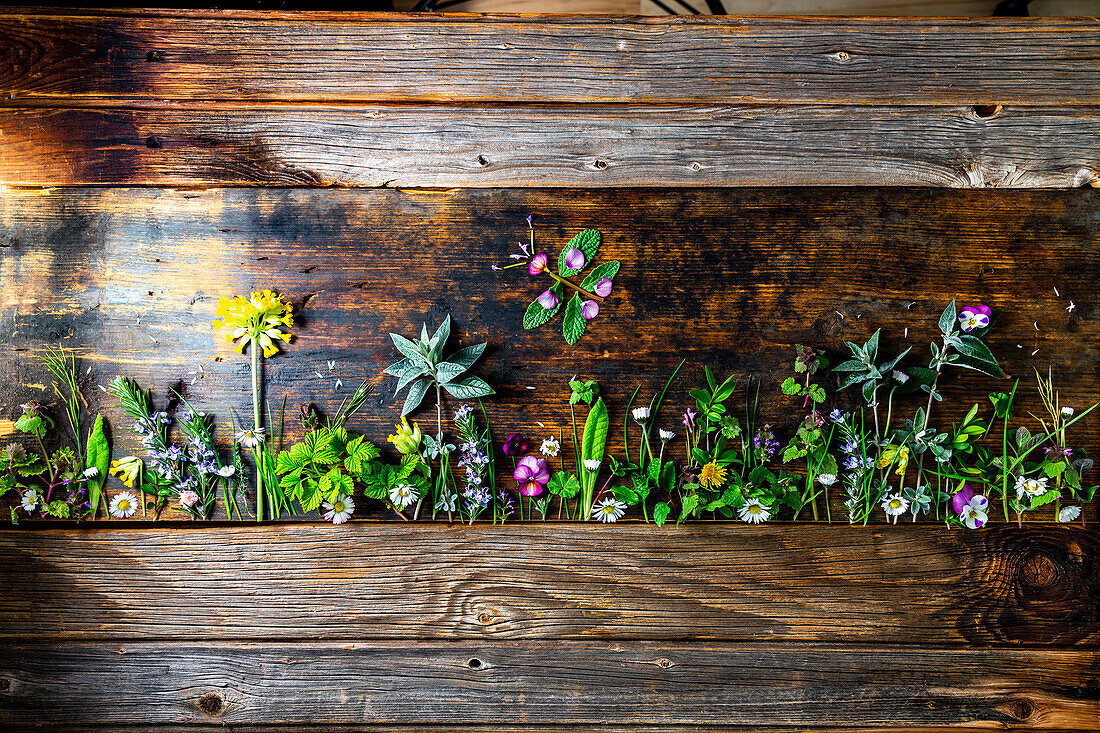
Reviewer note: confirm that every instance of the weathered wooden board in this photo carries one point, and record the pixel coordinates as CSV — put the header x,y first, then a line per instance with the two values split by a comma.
x,y
887,585
571,683
589,146
733,278
128,57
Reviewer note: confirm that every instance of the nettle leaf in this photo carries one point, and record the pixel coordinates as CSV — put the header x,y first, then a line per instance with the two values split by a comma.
x,y
446,371
690,504
467,356
588,241
417,391
536,315
660,513
468,388
573,324
607,269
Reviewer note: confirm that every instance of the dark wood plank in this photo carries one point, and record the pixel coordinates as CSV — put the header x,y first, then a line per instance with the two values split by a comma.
x,y
565,683
239,56
732,278
905,584
1016,147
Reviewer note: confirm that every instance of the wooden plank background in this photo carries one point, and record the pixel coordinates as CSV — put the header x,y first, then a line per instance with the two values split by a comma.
x,y
374,168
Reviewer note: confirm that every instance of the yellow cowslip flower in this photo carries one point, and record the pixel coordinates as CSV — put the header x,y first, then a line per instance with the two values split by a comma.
x,y
894,454
407,439
712,476
127,469
258,318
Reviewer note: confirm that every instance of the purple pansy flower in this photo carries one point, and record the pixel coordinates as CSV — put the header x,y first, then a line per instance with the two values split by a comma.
x,y
537,265
590,309
532,475
549,299
974,317
514,445
574,258
603,287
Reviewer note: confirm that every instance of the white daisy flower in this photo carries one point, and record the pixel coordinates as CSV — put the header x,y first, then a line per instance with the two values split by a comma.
x,y
826,479
91,472
403,494
227,471
124,505
251,438
1030,487
30,500
188,499
1069,513
753,512
592,465
641,415
666,435
339,511
550,447
608,510
895,505
1067,412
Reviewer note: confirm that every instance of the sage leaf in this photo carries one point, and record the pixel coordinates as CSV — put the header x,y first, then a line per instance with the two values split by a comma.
x,y
467,356
468,388
416,396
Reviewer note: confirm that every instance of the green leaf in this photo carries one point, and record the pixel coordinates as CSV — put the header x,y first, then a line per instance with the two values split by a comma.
x,y
607,270
407,348
948,319
467,356
439,340
660,513
416,396
573,324
625,494
416,371
791,386
587,241
469,388
690,504
99,456
309,497
596,426
564,485
536,315
446,371
399,368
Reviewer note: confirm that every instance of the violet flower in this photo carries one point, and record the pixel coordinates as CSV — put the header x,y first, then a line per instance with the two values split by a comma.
x,y
532,474
574,258
537,265
970,507
974,317
590,309
549,299
515,445
961,498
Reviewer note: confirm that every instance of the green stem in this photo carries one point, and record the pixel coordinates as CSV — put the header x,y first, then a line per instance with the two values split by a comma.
x,y
256,426
579,289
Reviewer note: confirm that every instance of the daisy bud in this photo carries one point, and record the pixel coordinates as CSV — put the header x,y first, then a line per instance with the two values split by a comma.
x,y
666,435
592,465
1067,412
641,415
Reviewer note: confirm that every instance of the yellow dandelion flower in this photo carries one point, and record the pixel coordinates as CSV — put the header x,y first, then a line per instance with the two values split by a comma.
x,y
256,319
899,455
712,476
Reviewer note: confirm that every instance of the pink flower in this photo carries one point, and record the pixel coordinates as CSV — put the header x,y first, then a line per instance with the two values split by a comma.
x,y
532,475
603,287
537,265
974,316
549,299
574,258
188,499
689,418
589,309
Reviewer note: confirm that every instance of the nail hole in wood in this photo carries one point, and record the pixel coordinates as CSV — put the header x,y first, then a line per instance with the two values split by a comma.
x,y
600,164
211,704
153,142
985,111
474,663
154,56
482,161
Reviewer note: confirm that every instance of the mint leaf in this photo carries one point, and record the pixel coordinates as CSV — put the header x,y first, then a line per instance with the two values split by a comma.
x,y
607,269
588,242
573,324
536,315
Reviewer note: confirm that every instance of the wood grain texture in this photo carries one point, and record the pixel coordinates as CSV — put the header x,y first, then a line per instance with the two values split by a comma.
x,y
719,686
131,57
591,146
732,278
906,584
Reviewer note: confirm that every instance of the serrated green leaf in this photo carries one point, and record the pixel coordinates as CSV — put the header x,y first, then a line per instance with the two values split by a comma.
x,y
416,394
660,513
573,324
469,388
587,241
607,270
536,315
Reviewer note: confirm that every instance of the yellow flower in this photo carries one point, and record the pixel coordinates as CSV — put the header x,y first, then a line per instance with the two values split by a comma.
x,y
894,454
259,318
407,439
712,476
127,469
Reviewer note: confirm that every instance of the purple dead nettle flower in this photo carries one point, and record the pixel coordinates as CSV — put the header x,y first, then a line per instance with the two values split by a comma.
x,y
532,474
1057,453
574,258
603,287
549,299
974,317
590,309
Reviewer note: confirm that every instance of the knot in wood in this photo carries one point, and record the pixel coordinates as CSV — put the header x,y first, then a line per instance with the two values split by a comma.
x,y
1038,571
484,619
5,684
664,663
985,111
154,56
599,164
1019,709
212,704
841,57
